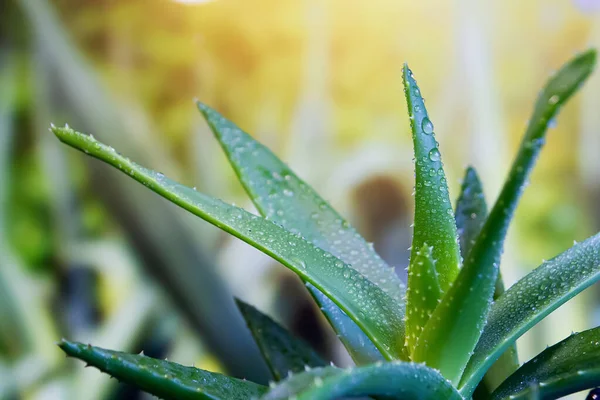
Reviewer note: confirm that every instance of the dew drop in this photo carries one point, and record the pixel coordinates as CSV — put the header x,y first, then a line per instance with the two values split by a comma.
x,y
434,155
427,126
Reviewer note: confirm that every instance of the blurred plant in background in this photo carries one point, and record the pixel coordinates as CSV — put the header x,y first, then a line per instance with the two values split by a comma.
x,y
319,83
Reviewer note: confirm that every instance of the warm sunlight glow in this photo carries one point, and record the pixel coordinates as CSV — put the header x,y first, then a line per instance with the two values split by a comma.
x,y
193,1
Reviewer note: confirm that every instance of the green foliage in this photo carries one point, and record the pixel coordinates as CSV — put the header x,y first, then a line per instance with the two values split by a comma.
x,y
283,353
460,323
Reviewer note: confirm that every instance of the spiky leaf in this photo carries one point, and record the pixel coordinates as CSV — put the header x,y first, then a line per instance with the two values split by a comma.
x,y
471,210
484,257
163,379
359,346
282,197
455,328
423,293
531,299
369,307
399,380
471,213
283,353
434,219
567,367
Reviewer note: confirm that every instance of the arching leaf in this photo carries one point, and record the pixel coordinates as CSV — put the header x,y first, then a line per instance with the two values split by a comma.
x,y
282,197
399,380
370,308
530,300
164,379
567,367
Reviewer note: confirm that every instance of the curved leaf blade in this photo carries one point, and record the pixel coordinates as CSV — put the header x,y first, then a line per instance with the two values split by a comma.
x,y
432,202
368,306
423,294
530,300
164,379
486,252
359,346
470,297
471,213
282,352
394,380
567,367
281,196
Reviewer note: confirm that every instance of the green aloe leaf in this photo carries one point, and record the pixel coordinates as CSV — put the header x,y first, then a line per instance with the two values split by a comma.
x,y
282,197
434,219
471,213
484,257
359,346
369,307
530,300
163,379
394,380
455,328
282,352
567,367
422,295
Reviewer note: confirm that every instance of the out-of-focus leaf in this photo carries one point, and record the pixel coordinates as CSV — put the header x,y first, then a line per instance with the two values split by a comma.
x,y
359,346
567,367
398,380
172,254
370,308
471,210
163,379
284,198
434,222
423,293
484,257
282,352
531,299
471,213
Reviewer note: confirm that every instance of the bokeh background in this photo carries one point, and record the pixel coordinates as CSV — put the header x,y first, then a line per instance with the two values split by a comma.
x,y
90,255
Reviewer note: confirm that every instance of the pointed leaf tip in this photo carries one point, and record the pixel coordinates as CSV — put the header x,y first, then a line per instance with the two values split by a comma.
x,y
432,202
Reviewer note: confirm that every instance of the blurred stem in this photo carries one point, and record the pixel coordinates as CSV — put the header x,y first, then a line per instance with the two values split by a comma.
x,y
167,247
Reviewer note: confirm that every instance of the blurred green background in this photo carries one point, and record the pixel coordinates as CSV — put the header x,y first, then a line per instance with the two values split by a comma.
x,y
92,256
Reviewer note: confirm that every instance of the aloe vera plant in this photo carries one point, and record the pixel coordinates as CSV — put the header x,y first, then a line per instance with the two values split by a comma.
x,y
449,333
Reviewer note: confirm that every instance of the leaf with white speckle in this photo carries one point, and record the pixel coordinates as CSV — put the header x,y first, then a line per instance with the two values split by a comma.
x,y
359,346
567,367
434,222
423,294
471,213
373,310
282,352
398,380
530,300
454,330
282,197
164,379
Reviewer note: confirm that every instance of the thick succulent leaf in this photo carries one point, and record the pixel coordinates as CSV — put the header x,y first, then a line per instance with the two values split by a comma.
x,y
567,367
422,295
282,197
455,328
434,219
484,257
371,308
471,213
359,346
398,380
282,352
531,299
166,380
